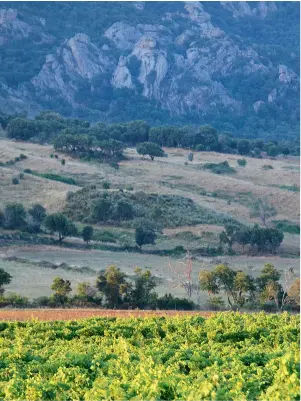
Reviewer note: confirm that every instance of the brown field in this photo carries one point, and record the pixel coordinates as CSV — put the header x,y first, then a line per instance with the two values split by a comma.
x,y
72,314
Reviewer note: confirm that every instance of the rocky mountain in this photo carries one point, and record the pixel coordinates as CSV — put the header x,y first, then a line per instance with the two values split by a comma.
x,y
231,64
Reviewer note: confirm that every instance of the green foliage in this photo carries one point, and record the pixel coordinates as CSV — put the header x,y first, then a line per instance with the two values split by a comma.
x,y
219,168
242,162
57,222
237,286
267,167
293,188
151,149
111,358
15,181
37,212
243,147
63,162
142,293
14,216
170,302
106,185
52,176
113,285
144,236
126,208
287,226
87,234
5,278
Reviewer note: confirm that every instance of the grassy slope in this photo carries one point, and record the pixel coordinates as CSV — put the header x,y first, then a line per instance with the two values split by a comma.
x,y
165,176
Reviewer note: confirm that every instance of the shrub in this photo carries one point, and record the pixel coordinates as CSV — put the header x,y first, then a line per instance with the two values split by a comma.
x,y
106,185
168,302
242,162
17,159
115,166
63,162
129,188
219,168
56,156
267,167
51,156
23,157
15,181
21,176
16,300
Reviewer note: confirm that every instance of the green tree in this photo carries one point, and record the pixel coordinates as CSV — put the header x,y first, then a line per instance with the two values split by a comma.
x,y
151,149
243,147
123,210
21,128
101,210
87,234
238,287
142,293
144,236
85,291
5,278
57,222
113,285
260,208
61,289
228,236
37,212
14,216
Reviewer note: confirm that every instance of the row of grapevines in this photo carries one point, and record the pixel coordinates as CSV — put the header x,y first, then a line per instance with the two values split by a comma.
x,y
226,357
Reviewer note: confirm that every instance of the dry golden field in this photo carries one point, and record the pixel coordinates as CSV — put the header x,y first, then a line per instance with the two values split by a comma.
x,y
168,176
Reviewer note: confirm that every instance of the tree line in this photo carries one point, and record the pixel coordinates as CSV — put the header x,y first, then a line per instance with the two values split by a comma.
x,y
227,288
108,140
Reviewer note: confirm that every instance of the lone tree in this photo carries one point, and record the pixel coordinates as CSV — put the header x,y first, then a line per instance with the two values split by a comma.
x,y
61,289
57,222
5,278
263,210
87,234
151,149
145,236
113,285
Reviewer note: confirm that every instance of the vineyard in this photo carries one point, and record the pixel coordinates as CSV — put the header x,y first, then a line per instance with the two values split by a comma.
x,y
224,357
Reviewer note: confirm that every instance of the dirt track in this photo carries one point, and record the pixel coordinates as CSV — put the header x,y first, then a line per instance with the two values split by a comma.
x,y
72,314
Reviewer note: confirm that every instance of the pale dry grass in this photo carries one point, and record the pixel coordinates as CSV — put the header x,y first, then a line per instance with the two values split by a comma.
x,y
31,189
149,176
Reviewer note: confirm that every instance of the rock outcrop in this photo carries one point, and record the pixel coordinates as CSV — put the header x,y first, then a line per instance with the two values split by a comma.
x,y
182,62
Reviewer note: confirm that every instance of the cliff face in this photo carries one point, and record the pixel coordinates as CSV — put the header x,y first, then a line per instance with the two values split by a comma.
x,y
182,63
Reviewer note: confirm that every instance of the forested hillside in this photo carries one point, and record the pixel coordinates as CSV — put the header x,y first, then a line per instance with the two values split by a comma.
x,y
233,65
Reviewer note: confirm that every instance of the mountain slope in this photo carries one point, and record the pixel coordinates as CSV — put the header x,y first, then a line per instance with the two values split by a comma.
x,y
231,64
